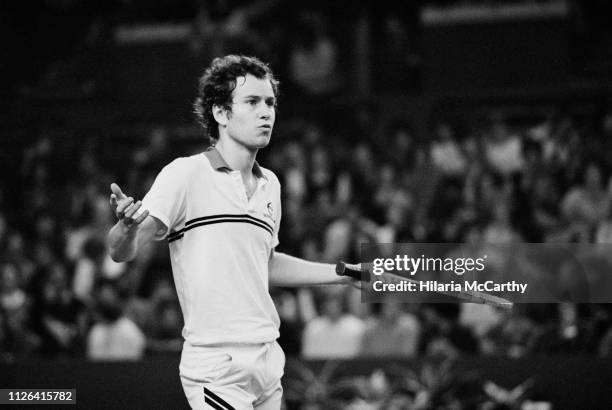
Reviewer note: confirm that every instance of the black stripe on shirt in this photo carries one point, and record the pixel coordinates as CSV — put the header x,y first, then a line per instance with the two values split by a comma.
x,y
210,221
174,238
247,216
223,405
212,404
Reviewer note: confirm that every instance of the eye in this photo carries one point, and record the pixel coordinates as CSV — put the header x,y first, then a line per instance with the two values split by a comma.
x,y
252,102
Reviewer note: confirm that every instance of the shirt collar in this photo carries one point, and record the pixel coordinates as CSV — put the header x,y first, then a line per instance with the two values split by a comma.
x,y
218,163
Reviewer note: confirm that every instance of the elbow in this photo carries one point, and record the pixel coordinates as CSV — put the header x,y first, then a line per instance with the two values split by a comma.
x,y
115,257
119,257
119,250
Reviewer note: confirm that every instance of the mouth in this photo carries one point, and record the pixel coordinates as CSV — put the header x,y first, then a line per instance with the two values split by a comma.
x,y
265,127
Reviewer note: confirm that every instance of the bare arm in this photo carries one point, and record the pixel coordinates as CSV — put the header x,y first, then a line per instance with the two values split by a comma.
x,y
125,242
132,230
286,270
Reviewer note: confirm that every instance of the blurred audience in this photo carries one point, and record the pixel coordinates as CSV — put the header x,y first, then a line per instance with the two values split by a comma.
x,y
375,181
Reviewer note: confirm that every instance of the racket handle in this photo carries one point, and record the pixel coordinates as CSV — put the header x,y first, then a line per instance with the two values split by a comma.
x,y
354,271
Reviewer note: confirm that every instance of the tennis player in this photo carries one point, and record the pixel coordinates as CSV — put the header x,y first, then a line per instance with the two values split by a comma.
x,y
220,212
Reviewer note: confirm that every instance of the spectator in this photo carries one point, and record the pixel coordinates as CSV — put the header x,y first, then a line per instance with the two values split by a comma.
x,y
17,338
291,324
20,339
392,333
12,295
480,319
335,334
538,216
88,269
442,333
503,149
510,337
165,323
500,230
446,153
399,216
16,253
603,231
113,336
402,143
313,60
587,204
557,329
58,314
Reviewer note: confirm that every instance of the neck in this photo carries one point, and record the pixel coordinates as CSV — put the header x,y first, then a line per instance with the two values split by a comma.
x,y
237,156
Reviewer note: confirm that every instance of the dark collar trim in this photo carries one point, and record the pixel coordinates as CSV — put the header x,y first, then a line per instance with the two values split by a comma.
x,y
218,163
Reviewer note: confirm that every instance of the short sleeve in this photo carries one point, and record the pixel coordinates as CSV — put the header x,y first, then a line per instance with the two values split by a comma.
x,y
277,221
166,200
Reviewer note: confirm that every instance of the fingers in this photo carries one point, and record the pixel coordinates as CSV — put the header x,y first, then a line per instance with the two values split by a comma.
x,y
113,202
130,211
122,207
134,212
142,217
117,191
131,215
116,196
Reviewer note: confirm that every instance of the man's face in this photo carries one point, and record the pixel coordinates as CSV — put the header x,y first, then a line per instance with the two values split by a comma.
x,y
253,112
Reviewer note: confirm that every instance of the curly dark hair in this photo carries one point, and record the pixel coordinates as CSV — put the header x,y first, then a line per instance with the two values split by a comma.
x,y
216,85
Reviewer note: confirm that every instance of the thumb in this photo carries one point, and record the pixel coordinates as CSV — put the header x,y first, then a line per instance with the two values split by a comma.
x,y
117,191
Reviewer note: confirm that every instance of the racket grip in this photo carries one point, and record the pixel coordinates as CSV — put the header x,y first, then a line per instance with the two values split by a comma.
x,y
353,271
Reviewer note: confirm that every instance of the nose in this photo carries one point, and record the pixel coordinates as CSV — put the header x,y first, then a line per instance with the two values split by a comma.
x,y
266,111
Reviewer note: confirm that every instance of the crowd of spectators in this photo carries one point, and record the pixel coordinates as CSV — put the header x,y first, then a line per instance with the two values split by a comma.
x,y
496,181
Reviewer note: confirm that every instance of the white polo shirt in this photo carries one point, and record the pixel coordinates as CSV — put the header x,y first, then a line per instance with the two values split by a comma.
x,y
220,244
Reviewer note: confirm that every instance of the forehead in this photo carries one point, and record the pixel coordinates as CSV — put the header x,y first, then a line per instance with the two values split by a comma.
x,y
250,85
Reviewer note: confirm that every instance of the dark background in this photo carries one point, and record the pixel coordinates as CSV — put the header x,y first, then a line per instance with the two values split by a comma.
x,y
87,84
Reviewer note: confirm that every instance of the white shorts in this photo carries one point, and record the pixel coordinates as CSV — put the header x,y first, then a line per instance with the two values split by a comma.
x,y
227,377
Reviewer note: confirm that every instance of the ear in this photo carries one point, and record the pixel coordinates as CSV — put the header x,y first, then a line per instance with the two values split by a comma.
x,y
220,114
